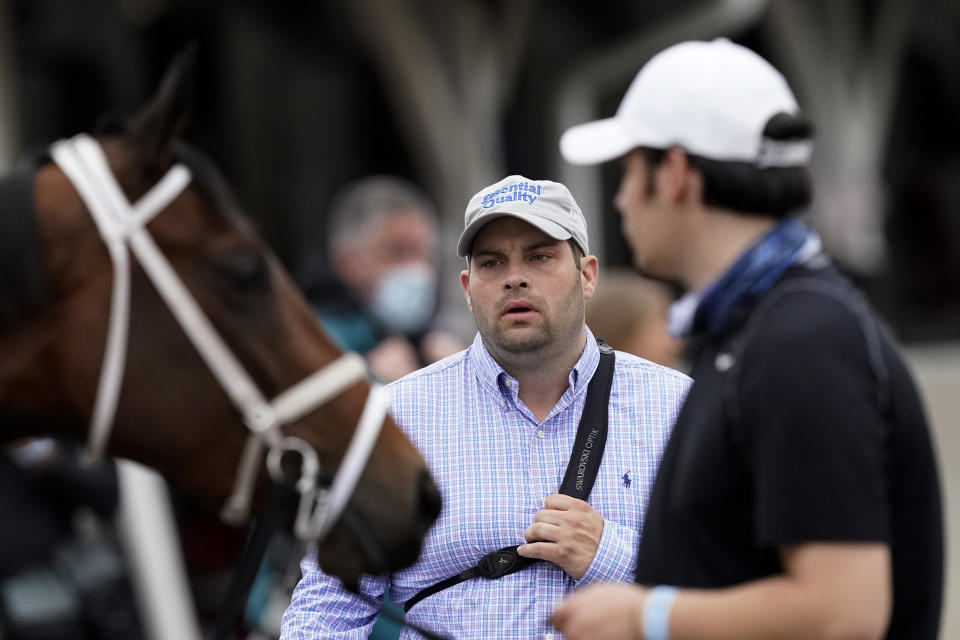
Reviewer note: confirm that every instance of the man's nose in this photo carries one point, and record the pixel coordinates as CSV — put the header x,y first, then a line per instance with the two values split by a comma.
x,y
515,279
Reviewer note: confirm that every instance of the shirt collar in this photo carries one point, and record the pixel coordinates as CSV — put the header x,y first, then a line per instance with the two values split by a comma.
x,y
492,376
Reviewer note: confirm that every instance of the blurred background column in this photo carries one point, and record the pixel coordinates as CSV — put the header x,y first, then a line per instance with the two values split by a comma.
x,y
9,93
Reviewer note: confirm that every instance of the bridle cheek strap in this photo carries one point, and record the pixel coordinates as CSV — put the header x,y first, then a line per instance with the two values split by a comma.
x,y
123,226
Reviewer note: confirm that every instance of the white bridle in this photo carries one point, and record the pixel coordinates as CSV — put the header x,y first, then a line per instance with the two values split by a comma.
x,y
122,226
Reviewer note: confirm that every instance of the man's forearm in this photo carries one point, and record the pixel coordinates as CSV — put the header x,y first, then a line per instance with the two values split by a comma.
x,y
827,591
830,591
769,608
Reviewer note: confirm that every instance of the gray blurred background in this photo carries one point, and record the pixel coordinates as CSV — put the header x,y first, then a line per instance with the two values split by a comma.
x,y
295,98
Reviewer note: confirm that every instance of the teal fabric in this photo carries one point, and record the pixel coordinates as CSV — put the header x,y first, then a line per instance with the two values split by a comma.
x,y
386,629
351,331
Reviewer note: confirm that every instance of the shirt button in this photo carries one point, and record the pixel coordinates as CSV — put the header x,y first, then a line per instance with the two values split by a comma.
x,y
549,636
501,403
540,433
508,382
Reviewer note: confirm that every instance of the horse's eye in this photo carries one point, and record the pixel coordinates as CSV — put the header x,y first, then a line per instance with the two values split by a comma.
x,y
245,268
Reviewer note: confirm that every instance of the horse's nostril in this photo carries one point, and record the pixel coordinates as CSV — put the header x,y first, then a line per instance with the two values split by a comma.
x,y
430,501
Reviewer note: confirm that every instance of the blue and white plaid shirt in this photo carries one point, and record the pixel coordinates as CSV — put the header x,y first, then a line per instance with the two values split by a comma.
x,y
494,465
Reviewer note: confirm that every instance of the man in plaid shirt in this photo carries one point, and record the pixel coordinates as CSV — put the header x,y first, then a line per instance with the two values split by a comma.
x,y
496,424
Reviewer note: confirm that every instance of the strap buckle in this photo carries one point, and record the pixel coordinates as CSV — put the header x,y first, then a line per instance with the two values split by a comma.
x,y
502,562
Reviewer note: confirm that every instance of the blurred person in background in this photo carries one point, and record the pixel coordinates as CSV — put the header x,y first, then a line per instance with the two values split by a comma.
x,y
497,425
629,311
377,294
62,572
798,496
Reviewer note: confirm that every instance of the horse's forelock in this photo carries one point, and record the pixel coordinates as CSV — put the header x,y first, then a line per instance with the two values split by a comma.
x,y
110,124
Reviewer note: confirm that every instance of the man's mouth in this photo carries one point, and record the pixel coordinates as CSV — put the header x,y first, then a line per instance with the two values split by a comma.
x,y
518,309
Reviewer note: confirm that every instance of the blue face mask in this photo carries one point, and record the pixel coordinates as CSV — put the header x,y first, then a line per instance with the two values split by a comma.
x,y
405,298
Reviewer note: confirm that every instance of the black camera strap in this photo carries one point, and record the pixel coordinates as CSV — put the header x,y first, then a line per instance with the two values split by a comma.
x,y
577,481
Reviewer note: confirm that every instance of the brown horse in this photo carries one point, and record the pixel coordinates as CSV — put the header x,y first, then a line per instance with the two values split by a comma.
x,y
56,280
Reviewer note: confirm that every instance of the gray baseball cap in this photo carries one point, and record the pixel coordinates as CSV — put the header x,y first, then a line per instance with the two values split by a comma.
x,y
545,204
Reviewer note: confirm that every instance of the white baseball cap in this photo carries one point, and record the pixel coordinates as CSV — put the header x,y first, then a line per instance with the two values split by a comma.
x,y
712,99
545,204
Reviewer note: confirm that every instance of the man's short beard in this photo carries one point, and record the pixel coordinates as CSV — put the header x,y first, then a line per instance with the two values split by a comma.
x,y
548,336
543,337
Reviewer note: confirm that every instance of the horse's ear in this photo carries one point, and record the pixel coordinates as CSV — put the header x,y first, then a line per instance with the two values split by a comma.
x,y
165,117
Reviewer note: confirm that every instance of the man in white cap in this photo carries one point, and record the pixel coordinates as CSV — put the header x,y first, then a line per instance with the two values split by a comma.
x,y
543,441
798,497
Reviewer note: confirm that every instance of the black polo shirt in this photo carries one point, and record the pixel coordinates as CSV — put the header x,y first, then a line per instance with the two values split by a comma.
x,y
803,425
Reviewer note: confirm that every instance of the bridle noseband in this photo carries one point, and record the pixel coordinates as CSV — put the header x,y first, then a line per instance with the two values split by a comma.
x,y
122,226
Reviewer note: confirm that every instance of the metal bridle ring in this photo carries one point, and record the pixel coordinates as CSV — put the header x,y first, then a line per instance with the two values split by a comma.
x,y
309,469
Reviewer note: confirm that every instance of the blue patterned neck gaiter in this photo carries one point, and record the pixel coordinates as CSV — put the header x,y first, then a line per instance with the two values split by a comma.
x,y
753,273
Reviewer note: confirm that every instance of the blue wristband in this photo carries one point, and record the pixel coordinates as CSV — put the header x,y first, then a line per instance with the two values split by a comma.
x,y
656,613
